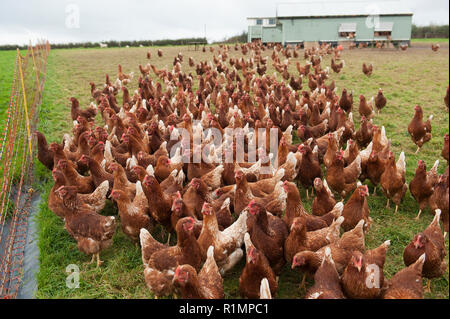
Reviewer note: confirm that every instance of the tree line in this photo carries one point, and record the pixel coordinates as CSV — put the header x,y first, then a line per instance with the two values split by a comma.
x,y
430,31
115,44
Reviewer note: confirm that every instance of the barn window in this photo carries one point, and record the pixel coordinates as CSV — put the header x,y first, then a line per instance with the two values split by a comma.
x,y
347,30
383,29
271,21
259,21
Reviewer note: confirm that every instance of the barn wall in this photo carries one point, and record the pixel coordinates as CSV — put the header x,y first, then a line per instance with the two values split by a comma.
x,y
272,34
326,29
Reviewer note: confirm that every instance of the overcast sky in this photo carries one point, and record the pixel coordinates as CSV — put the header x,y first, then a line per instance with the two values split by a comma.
x,y
96,20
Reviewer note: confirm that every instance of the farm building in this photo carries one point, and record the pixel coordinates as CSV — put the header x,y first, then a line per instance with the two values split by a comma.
x,y
334,22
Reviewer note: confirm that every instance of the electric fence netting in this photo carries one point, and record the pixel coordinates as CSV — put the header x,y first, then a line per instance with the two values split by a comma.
x,y
17,153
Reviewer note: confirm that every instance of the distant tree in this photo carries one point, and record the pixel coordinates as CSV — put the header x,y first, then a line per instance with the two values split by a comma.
x,y
241,38
430,31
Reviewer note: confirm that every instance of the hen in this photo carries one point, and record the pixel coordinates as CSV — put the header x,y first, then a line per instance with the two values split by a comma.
x,y
256,268
300,240
89,114
93,232
430,242
207,284
227,243
160,203
407,283
367,70
268,233
420,131
84,184
380,100
366,109
309,168
356,209
363,277
393,180
364,135
161,261
444,152
294,208
440,199
342,179
324,201
423,183
133,214
45,154
326,280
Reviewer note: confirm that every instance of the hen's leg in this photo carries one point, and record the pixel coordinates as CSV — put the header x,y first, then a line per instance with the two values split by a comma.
x,y
302,284
99,262
418,149
375,191
428,287
418,215
387,205
92,259
396,209
168,238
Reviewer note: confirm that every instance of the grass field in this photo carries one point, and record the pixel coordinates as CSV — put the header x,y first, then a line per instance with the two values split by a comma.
x,y
407,78
430,40
7,60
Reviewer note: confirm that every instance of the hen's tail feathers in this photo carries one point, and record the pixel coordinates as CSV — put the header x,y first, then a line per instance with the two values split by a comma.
x,y
328,258
335,228
264,290
150,170
418,265
180,178
248,242
139,190
384,139
437,217
279,174
108,153
366,153
226,203
435,166
337,209
148,245
325,184
401,163
210,252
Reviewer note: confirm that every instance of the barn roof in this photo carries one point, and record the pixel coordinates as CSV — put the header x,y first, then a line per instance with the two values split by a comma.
x,y
342,8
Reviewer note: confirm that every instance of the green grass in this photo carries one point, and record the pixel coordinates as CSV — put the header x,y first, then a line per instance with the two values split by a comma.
x,y
407,78
430,40
7,60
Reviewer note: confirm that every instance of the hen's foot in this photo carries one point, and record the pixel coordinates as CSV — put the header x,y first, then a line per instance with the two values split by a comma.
x,y
418,215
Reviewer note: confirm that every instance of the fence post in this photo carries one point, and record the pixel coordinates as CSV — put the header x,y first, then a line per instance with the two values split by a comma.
x,y
25,104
